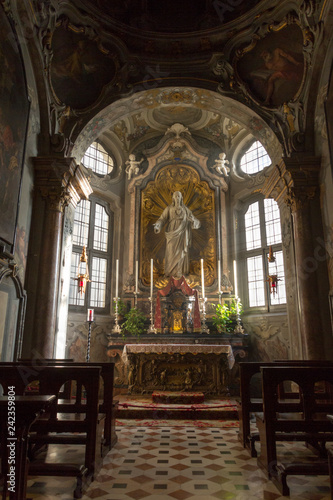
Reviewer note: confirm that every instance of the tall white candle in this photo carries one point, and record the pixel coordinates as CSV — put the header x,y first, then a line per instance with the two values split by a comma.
x,y
117,277
151,277
202,278
219,276
136,275
235,279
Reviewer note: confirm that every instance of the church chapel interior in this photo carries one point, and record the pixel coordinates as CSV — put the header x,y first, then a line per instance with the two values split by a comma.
x,y
166,207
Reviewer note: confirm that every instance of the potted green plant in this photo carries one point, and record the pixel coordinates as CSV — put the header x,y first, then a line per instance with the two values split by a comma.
x,y
226,315
134,323
236,310
221,319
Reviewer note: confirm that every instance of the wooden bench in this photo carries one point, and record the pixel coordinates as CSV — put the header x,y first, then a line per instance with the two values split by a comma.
x,y
82,421
15,422
107,404
250,403
304,419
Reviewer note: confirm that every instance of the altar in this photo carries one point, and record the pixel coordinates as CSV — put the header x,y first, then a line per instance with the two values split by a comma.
x,y
178,367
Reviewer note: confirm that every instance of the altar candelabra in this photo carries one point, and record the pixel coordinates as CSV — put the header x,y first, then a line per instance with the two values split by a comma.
x,y
204,327
117,327
136,299
220,296
151,328
238,327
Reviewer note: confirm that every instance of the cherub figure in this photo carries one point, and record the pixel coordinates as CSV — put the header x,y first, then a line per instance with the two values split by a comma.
x,y
221,165
133,166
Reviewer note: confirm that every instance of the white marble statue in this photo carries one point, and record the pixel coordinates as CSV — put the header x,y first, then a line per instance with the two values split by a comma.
x,y
221,165
133,166
179,222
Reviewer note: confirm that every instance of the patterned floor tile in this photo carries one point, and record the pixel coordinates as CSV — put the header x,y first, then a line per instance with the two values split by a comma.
x,y
179,463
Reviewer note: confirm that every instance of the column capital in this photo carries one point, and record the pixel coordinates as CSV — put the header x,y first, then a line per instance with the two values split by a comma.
x,y
60,181
293,181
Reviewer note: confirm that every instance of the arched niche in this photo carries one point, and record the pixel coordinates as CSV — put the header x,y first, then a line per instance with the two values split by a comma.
x,y
198,197
12,312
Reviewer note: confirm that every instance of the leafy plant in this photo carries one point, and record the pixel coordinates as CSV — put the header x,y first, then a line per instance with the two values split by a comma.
x,y
221,319
233,308
134,323
225,316
122,308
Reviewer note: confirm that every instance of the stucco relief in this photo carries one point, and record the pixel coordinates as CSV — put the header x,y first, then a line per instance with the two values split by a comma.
x,y
77,335
266,328
269,337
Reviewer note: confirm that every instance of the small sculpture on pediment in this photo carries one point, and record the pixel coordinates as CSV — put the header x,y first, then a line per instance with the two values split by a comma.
x,y
221,165
133,166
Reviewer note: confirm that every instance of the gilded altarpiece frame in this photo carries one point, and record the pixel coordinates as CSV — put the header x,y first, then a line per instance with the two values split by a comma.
x,y
199,197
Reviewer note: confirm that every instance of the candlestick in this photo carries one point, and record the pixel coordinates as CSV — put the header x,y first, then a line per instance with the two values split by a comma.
x,y
90,319
151,277
202,279
90,315
117,277
117,327
204,327
218,276
235,279
136,275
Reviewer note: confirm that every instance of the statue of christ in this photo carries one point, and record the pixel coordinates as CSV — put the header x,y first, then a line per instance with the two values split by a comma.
x,y
179,222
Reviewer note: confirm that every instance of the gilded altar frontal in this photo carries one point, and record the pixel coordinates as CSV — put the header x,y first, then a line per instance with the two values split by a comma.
x,y
199,200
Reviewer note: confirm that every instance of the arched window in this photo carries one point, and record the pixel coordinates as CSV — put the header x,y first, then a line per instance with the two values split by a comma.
x,y
255,159
92,229
261,234
98,159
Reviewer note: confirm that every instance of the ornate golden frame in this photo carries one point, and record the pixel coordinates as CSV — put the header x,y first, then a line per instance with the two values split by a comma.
x,y
200,199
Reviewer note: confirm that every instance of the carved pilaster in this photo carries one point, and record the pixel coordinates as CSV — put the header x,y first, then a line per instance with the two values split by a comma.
x,y
59,182
295,181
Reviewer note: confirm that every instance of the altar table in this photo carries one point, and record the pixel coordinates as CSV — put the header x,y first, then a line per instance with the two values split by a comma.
x,y
178,367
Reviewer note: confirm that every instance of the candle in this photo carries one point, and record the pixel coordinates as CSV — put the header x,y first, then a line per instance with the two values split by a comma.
x,y
202,279
235,280
219,276
136,275
117,277
90,315
151,277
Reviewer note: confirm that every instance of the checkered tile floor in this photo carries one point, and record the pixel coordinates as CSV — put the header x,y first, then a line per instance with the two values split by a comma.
x,y
179,463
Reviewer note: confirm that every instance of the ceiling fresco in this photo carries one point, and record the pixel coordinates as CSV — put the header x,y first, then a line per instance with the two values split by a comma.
x,y
172,16
79,68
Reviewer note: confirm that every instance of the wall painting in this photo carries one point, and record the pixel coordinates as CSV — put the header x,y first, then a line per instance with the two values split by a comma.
x,y
273,67
14,111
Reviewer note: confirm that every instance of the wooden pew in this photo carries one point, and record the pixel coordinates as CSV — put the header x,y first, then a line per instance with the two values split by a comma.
x,y
14,440
63,417
107,405
330,460
248,404
304,419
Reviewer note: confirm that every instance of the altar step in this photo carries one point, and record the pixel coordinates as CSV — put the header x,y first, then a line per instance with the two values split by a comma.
x,y
142,407
178,397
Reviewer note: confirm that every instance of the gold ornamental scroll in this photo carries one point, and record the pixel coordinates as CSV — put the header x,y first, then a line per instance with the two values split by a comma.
x,y
200,199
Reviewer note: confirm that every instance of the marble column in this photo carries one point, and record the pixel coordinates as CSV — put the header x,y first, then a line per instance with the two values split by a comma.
x,y
296,182
58,182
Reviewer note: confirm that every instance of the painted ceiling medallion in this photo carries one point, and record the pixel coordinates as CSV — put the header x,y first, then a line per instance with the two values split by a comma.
x,y
273,67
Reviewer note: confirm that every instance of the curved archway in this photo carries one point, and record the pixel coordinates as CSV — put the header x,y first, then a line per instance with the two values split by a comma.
x,y
174,104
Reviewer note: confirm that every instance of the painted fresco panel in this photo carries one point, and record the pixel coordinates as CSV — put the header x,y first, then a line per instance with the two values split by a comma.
x,y
79,69
14,109
273,68
329,115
